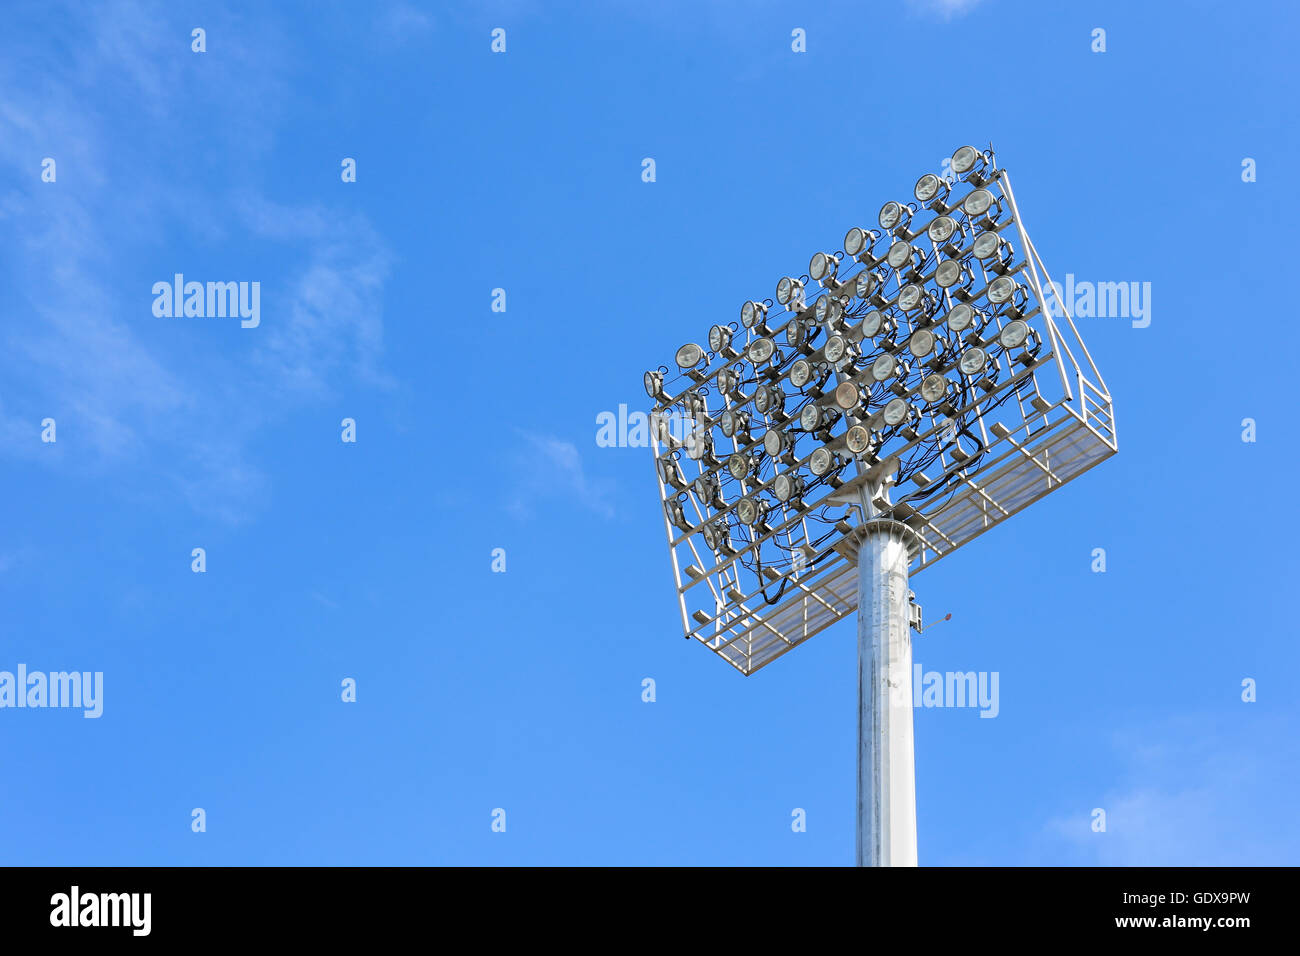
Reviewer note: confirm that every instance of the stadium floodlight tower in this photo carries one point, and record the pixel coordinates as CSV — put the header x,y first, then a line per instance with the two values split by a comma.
x,y
915,388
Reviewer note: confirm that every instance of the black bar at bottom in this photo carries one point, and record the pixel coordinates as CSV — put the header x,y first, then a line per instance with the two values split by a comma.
x,y
338,905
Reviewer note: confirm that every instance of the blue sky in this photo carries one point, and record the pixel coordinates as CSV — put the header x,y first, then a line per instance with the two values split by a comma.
x,y
476,430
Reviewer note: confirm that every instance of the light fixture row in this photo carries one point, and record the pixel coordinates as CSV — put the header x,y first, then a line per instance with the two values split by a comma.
x,y
802,362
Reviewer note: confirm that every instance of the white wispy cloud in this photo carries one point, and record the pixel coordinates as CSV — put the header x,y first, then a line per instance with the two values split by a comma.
x,y
82,344
946,9
550,468
1181,797
399,22
331,317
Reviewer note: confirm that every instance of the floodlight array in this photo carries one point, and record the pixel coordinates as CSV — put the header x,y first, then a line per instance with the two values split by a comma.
x,y
890,357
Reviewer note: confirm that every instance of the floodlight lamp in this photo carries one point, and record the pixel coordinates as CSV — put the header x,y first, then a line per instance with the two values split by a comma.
x,y
977,203
746,511
875,322
847,396
654,384
673,508
900,254
941,229
973,361
857,240
704,487
822,462
788,290
801,373
774,442
929,187
662,431
719,338
1014,334
760,350
699,446
769,398
823,266
1001,289
787,486
728,380
896,412
695,404
812,418
738,465
909,300
962,317
835,311
671,473
689,355
951,272
829,309
893,215
796,333
752,314
734,424
864,284
714,536
921,343
676,515
933,388
884,367
986,245
858,439
837,346
971,165
965,159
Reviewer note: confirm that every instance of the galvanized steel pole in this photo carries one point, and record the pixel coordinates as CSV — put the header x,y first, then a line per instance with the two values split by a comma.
x,y
886,761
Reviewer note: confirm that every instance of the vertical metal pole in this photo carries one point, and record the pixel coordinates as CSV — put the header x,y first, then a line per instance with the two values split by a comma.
x,y
886,761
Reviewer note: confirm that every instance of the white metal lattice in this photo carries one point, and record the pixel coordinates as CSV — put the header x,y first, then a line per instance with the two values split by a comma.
x,y
1030,420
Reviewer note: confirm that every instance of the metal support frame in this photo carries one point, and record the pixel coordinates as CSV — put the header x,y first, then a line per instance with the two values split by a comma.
x,y
1056,427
